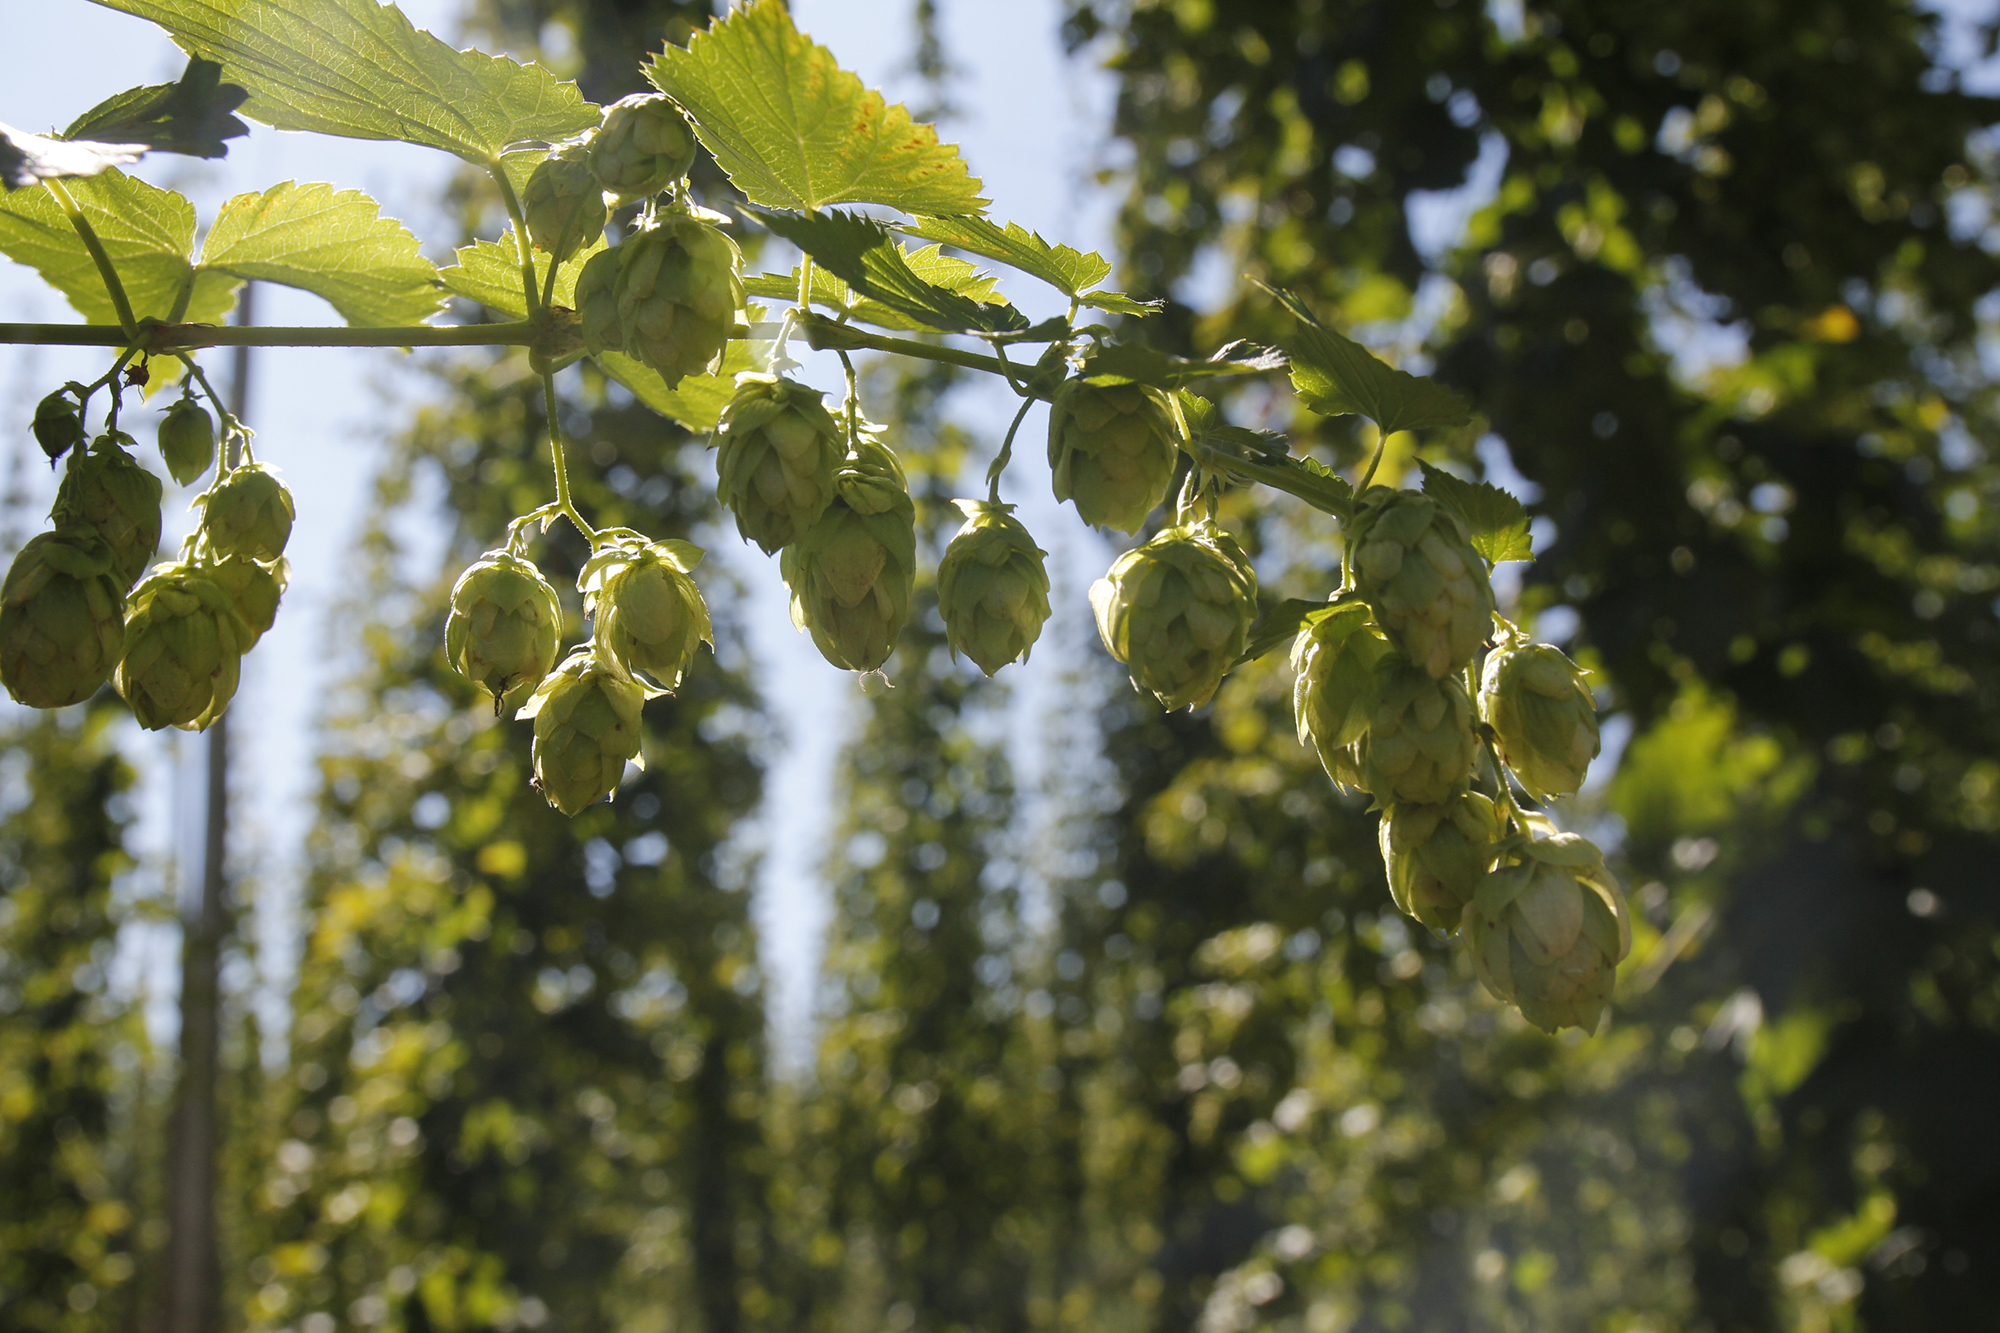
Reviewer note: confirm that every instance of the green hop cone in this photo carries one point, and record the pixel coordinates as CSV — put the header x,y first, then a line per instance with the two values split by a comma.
x,y
249,512
187,441
1418,747
504,627
254,588
1414,565
1112,450
108,490
586,715
1549,931
778,451
597,301
1177,611
563,203
62,618
58,427
1334,664
644,145
679,287
993,590
649,616
1542,713
1437,854
852,572
184,645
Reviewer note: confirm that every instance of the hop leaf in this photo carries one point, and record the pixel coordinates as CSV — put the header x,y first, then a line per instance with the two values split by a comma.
x,y
649,615
58,428
1542,713
254,588
503,628
108,490
249,512
778,451
563,202
679,287
1414,565
1549,930
1435,856
184,645
993,590
1112,449
62,618
852,572
1334,661
1419,744
586,715
187,441
1177,612
644,146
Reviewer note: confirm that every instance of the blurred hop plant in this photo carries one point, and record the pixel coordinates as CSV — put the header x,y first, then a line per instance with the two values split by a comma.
x,y
1414,565
1436,855
852,572
1418,746
648,614
62,618
586,716
108,490
1112,450
993,590
679,287
777,453
1542,714
503,628
254,588
563,202
1549,931
184,644
1177,611
247,512
644,145
187,440
597,301
1334,664
58,426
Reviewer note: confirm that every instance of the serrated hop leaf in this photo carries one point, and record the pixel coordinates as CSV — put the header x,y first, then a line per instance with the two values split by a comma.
x,y
1112,450
1436,855
563,203
1334,662
62,618
993,589
679,287
596,300
852,572
184,646
1543,716
1549,931
1418,746
586,716
1177,611
249,512
644,145
778,451
108,490
187,441
254,587
58,427
503,629
1415,566
648,614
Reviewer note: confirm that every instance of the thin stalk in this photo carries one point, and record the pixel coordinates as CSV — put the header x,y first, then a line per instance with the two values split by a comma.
x,y
805,282
846,337
522,245
1374,461
1006,454
853,401
168,338
563,504
105,270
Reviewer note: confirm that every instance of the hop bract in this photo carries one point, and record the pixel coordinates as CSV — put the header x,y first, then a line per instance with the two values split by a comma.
x,y
1436,855
586,716
563,203
62,618
648,614
777,453
1549,931
596,300
254,588
1334,660
58,428
184,645
993,590
1177,611
1542,713
644,145
1112,450
106,489
1419,744
1414,565
679,287
503,629
852,572
248,513
187,440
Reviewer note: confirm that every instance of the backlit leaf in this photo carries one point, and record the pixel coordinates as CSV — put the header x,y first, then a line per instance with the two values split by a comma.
x,y
191,116
1336,375
332,243
862,253
147,232
1069,271
489,272
930,264
1495,520
1137,363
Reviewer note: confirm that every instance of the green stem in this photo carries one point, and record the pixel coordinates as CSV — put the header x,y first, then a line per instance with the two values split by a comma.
x,y
1006,454
1374,461
853,402
563,504
166,338
826,335
522,245
105,270
805,282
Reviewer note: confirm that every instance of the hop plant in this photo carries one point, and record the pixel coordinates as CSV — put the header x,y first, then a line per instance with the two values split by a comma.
x,y
184,645
503,629
1549,930
1334,664
597,301
648,614
58,424
852,572
248,512
778,451
586,715
679,287
1418,747
1112,450
187,441
644,146
1436,855
993,590
62,618
254,588
563,203
1415,567
1177,611
1543,716
108,490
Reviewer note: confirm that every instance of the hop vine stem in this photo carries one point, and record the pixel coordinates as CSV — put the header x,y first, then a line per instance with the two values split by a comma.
x,y
105,269
165,338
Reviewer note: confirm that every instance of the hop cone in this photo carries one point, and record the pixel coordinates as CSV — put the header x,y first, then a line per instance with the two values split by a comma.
x,y
1437,854
852,572
1549,931
58,428
1177,612
183,645
644,145
254,588
1541,711
679,288
1419,743
586,716
649,615
1112,450
62,618
1413,564
187,440
249,512
597,301
992,589
777,453
503,628
563,202
107,490
1334,660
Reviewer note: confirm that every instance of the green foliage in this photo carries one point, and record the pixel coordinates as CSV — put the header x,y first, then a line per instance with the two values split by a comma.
x,y
1069,271
1335,375
863,253
147,232
332,243
1493,519
191,116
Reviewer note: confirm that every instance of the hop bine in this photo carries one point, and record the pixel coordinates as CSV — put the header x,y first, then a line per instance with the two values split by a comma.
x,y
1334,662
1436,855
648,614
62,618
678,290
248,512
1112,450
563,203
993,590
852,572
777,452
586,715
1543,716
1415,567
644,145
1177,611
187,441
503,628
1418,747
106,489
1549,930
184,645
